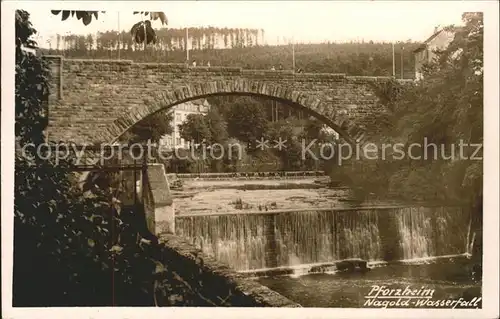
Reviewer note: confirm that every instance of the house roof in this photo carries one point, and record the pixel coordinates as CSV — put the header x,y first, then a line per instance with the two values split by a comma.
x,y
424,44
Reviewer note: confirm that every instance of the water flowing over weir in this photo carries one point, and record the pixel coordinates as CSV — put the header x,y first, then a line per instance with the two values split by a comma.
x,y
273,239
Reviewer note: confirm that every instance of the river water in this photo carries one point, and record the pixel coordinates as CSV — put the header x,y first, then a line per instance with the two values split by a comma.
x,y
450,279
400,243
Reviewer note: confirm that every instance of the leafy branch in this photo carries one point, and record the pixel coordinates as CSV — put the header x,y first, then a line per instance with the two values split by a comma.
x,y
85,16
78,240
141,32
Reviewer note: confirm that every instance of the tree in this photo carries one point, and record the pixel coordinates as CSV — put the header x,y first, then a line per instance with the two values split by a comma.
x,y
217,125
31,85
246,120
153,128
47,214
218,138
446,108
313,129
210,130
207,128
287,131
141,32
78,242
195,129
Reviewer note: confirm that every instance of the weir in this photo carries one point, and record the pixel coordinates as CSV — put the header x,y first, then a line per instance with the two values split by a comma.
x,y
271,239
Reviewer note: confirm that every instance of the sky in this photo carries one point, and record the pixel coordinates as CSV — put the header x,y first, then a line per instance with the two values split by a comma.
x,y
304,21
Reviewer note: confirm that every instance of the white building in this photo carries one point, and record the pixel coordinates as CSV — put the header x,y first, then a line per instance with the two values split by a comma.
x,y
425,53
180,113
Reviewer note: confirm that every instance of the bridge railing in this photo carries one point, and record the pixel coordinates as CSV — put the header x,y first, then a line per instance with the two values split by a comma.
x,y
124,65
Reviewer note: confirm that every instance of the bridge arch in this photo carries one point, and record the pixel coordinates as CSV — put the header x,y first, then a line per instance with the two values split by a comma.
x,y
346,127
96,101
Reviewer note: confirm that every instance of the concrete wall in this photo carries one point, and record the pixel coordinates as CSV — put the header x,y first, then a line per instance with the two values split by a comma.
x,y
158,202
94,101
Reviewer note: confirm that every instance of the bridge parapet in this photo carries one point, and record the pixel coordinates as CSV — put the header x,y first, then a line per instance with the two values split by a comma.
x,y
81,65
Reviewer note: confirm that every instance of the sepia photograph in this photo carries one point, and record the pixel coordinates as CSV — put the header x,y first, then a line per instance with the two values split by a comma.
x,y
337,156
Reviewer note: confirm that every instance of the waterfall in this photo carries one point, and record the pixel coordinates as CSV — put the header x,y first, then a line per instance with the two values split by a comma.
x,y
279,239
238,240
430,232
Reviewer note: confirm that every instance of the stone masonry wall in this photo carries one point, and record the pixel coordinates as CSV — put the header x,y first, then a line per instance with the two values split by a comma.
x,y
214,282
95,101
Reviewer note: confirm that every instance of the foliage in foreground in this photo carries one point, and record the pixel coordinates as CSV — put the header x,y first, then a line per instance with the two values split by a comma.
x,y
141,32
72,249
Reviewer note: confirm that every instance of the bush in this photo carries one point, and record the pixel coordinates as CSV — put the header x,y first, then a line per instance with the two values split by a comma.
x,y
71,248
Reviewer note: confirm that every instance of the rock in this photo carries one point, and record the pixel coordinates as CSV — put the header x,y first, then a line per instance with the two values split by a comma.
x,y
352,265
322,268
348,265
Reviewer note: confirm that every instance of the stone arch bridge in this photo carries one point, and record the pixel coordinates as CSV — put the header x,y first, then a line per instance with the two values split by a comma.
x,y
96,101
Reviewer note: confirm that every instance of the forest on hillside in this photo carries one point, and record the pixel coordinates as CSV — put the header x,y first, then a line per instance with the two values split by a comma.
x,y
241,48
